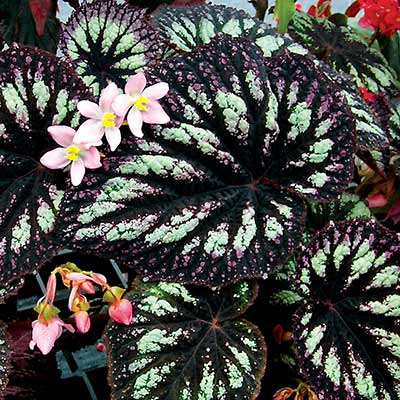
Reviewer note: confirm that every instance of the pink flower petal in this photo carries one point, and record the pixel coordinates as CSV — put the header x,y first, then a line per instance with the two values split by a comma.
x,y
91,158
155,114
121,311
113,136
121,104
44,335
51,287
90,131
77,171
61,134
82,321
99,278
107,97
156,91
135,122
136,84
89,109
72,294
76,276
55,159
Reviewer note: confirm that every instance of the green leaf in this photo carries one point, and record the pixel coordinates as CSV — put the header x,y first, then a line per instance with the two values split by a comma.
x,y
347,331
284,12
186,344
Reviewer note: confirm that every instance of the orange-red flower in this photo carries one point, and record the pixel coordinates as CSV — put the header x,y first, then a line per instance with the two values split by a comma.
x,y
381,15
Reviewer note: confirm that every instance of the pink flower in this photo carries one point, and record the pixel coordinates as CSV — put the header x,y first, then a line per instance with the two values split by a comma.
x,y
143,104
45,333
78,155
51,288
102,119
82,321
121,311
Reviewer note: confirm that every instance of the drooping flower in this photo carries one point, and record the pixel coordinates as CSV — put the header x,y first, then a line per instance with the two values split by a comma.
x,y
102,119
141,104
121,311
79,156
82,321
381,15
48,326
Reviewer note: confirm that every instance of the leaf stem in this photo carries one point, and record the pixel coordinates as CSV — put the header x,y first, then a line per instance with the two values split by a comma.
x,y
261,7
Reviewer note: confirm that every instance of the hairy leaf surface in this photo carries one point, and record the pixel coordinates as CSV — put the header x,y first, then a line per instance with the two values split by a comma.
x,y
345,51
36,91
109,42
215,195
187,344
347,332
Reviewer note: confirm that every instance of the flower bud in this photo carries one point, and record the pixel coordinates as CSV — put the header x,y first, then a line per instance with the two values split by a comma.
x,y
121,311
82,321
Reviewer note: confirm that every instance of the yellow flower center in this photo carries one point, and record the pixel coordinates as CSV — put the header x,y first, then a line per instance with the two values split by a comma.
x,y
72,153
140,103
108,120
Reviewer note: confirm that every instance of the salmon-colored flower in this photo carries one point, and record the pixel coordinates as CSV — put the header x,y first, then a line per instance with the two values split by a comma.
x,y
79,156
121,311
141,104
45,333
102,119
82,321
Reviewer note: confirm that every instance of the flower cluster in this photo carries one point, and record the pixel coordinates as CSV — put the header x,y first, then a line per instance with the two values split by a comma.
x,y
381,15
48,327
78,149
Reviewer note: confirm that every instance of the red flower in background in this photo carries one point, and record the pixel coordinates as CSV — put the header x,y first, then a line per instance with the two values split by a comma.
x,y
382,15
321,10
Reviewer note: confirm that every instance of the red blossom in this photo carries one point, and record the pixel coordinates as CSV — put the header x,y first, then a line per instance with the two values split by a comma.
x,y
381,15
321,10
369,97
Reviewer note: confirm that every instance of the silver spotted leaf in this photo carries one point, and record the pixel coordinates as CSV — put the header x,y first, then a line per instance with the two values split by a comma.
x,y
108,41
345,51
347,331
4,359
216,195
189,27
347,207
36,91
186,344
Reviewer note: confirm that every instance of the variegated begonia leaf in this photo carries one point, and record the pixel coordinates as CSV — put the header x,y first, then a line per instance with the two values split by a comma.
x,y
196,26
186,344
347,332
4,359
36,90
347,207
189,27
216,194
108,41
345,51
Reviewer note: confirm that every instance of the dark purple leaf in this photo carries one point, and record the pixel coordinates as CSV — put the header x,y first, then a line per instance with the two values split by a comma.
x,y
345,51
188,344
347,331
215,195
36,91
109,42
